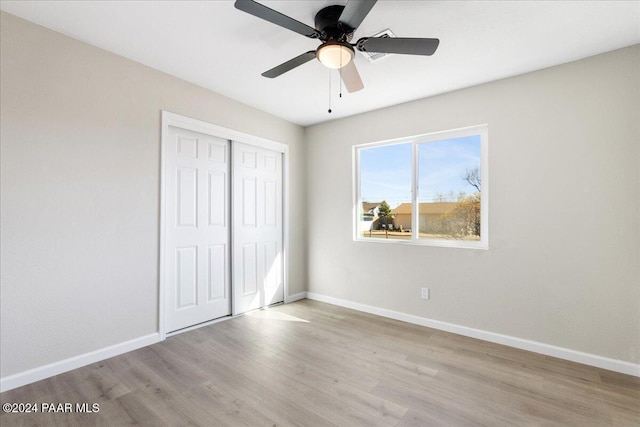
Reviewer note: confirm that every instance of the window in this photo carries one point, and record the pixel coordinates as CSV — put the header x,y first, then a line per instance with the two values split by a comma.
x,y
431,189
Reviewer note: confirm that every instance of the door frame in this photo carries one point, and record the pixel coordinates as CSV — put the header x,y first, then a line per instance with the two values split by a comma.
x,y
188,123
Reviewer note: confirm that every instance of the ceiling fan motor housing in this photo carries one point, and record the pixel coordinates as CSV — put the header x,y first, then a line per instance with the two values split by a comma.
x,y
327,22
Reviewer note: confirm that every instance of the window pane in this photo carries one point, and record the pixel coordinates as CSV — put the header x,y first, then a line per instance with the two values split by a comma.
x,y
449,189
385,187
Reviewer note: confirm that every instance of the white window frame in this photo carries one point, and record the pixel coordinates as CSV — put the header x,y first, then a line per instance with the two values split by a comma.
x,y
483,243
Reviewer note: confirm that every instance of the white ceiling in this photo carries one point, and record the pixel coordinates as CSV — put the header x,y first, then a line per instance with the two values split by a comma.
x,y
220,48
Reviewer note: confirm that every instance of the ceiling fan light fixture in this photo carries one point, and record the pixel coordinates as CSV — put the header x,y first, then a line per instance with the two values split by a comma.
x,y
335,54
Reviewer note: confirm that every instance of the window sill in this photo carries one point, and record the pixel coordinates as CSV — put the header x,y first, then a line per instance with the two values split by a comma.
x,y
429,242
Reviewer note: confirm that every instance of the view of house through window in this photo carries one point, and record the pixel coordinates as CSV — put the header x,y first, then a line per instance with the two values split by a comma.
x,y
449,188
385,182
426,190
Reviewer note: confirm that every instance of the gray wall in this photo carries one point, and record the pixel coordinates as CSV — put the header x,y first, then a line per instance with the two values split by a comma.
x,y
563,266
80,181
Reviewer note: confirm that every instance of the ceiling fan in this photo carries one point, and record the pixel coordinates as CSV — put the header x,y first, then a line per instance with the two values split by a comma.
x,y
334,27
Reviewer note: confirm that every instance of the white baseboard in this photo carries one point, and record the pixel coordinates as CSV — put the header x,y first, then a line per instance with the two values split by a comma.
x,y
523,344
295,297
37,374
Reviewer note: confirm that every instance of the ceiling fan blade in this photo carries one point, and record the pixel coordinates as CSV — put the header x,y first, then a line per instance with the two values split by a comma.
x,y
290,64
402,45
351,77
355,11
256,9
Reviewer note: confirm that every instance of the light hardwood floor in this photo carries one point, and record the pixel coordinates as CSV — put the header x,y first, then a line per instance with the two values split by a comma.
x,y
314,364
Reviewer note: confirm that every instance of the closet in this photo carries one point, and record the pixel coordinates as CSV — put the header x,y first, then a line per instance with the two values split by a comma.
x,y
222,249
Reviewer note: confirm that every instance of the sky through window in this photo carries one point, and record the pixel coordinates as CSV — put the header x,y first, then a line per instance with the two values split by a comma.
x,y
385,172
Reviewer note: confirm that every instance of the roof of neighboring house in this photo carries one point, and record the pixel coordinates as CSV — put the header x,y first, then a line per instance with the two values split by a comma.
x,y
426,208
367,206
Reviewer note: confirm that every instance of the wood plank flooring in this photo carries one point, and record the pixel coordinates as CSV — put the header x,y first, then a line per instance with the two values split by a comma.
x,y
314,364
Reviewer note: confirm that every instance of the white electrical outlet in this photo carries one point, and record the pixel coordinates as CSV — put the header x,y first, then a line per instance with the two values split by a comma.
x,y
425,293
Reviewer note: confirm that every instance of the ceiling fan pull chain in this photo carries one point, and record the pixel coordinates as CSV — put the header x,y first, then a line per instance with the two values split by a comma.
x,y
340,70
329,91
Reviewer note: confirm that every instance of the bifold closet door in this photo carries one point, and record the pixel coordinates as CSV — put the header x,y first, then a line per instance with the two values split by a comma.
x,y
197,230
257,228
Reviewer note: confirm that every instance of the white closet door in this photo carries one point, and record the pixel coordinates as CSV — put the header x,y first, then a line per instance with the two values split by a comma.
x,y
197,228
257,228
